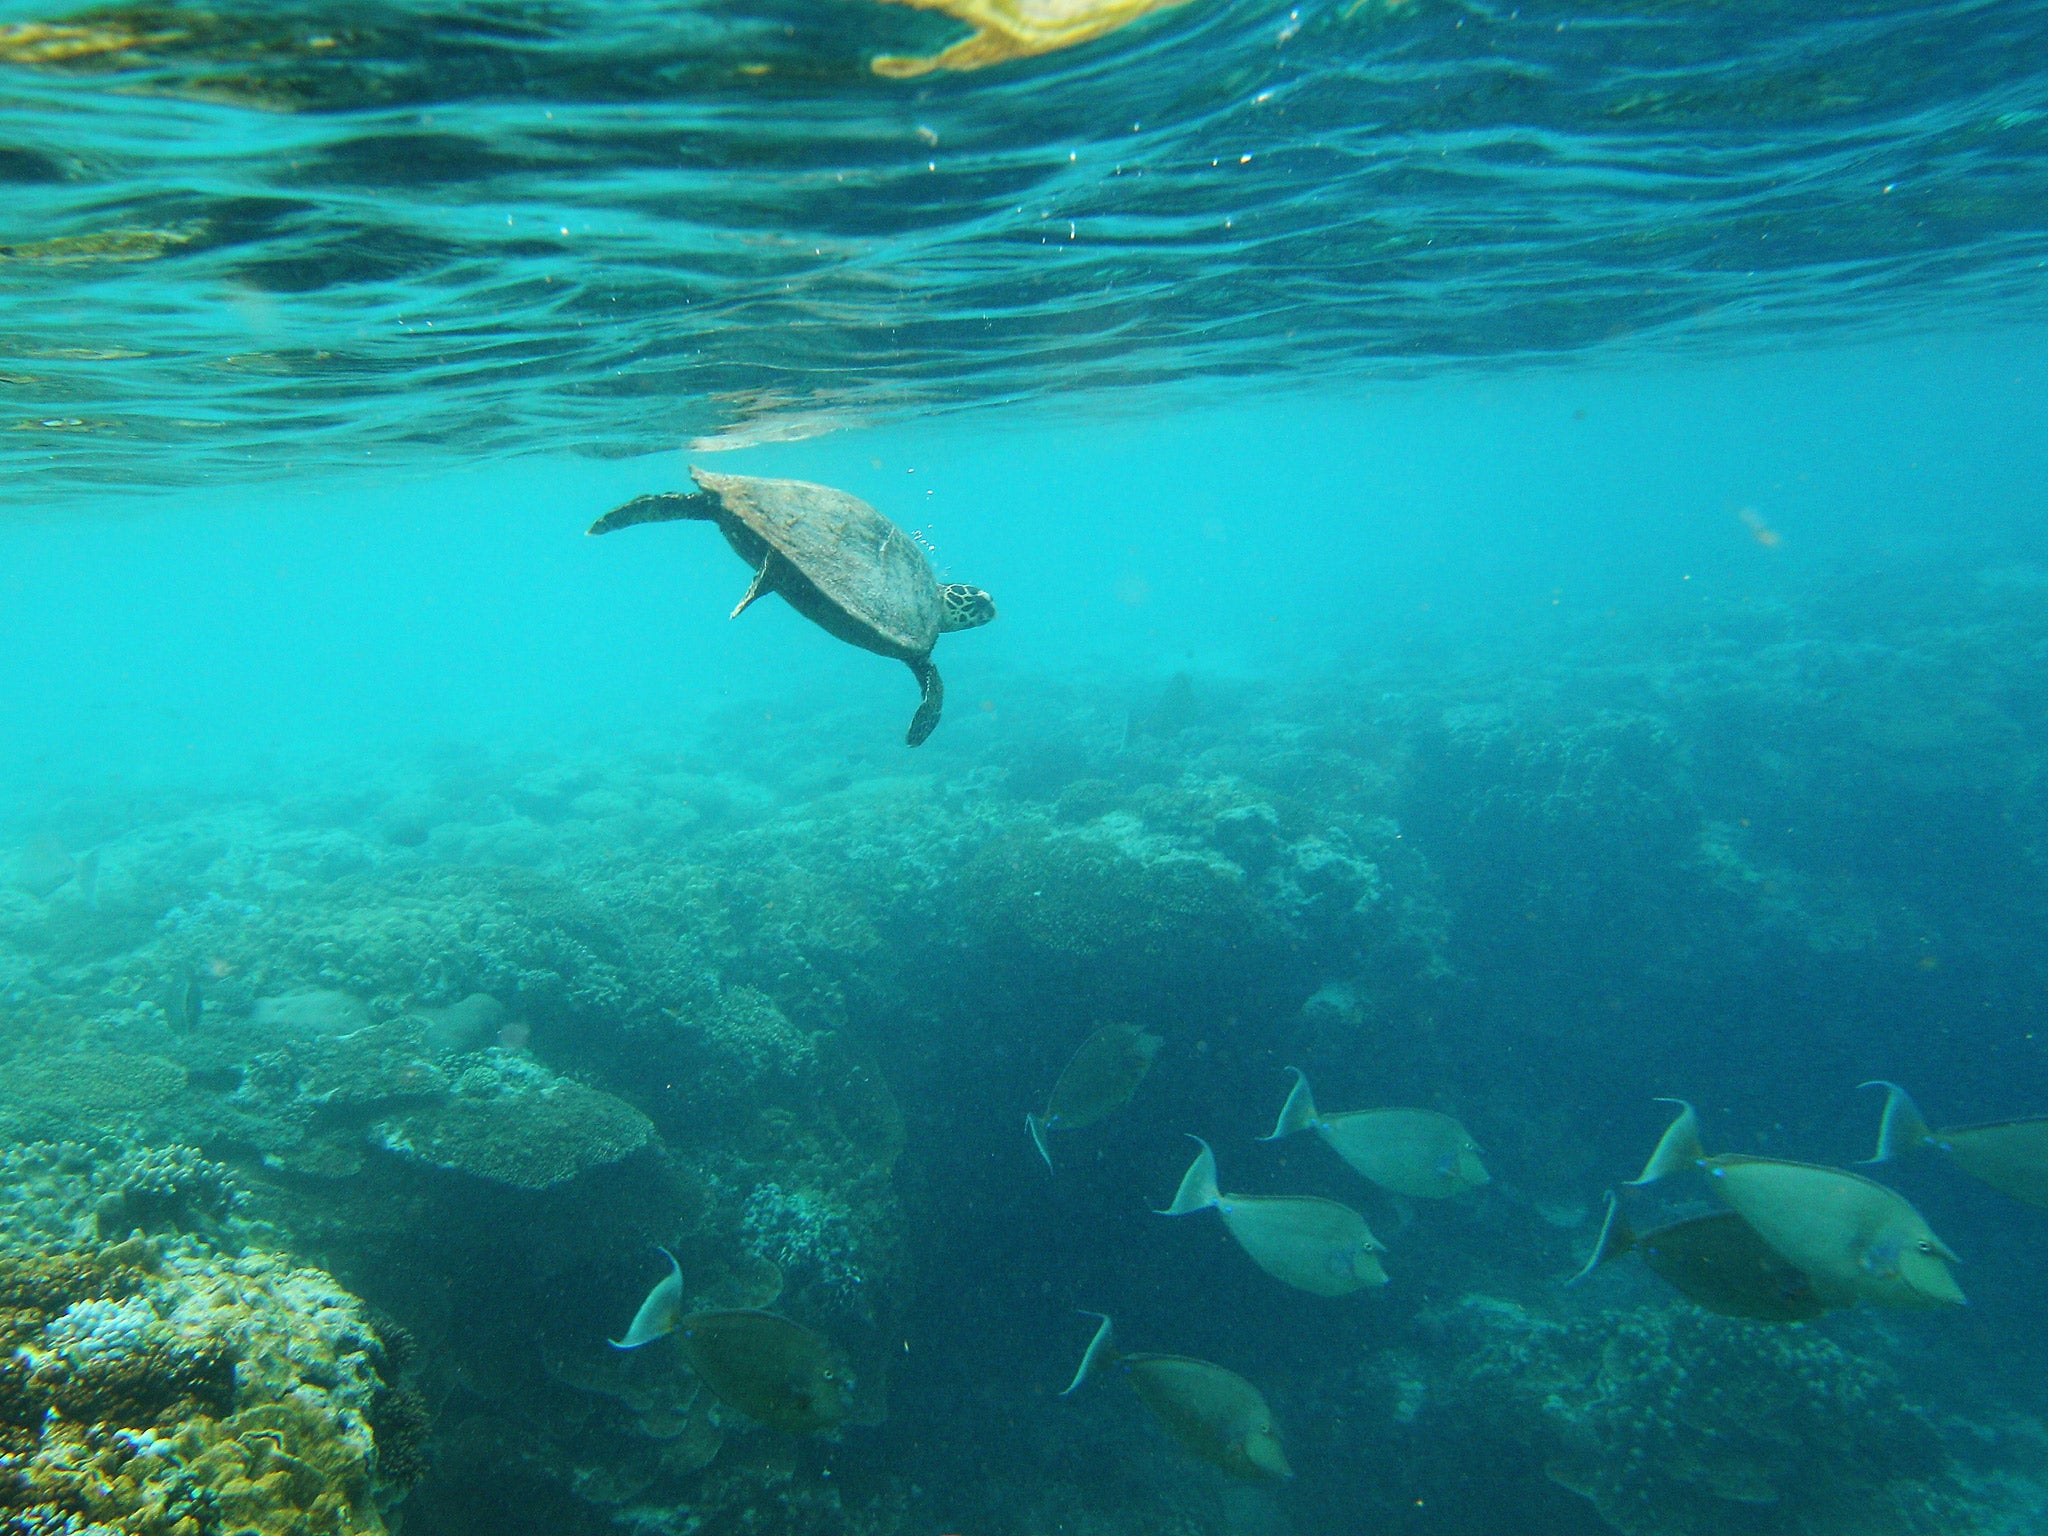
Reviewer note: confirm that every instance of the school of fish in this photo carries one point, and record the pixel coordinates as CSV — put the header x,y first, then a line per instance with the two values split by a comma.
x,y
1796,1241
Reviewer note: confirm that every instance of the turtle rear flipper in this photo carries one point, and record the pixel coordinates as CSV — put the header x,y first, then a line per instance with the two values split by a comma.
x,y
665,507
926,720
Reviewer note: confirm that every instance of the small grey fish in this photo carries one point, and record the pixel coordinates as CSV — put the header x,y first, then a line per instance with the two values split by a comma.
x,y
1213,1414
1100,1078
2009,1155
1854,1239
1305,1241
185,1002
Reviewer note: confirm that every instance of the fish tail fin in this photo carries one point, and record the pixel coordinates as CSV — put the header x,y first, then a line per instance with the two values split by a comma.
x,y
1197,1190
1902,1129
660,1312
1616,1238
1036,1127
1299,1112
1101,1350
1679,1147
664,507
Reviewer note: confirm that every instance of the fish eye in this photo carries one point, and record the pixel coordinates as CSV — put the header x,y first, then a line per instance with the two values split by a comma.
x,y
1925,1246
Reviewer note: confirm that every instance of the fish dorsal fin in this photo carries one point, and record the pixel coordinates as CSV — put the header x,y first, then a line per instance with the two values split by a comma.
x,y
1036,1127
1617,1237
1101,1349
660,1312
1677,1149
1197,1190
1902,1129
1299,1112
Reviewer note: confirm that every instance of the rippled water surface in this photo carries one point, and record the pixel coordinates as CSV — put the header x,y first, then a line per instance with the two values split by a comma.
x,y
258,236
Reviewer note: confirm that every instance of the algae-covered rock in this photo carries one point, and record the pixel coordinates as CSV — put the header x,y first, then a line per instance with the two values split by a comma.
x,y
514,1122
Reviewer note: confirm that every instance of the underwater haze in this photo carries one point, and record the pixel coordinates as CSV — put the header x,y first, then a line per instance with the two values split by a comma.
x,y
1518,544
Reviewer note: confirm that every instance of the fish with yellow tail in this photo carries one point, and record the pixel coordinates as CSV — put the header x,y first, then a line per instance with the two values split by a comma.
x,y
1416,1152
1852,1238
774,1371
1099,1080
1305,1241
2009,1155
1213,1414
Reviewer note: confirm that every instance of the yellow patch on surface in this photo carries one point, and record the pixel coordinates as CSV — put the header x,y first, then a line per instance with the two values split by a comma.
x,y
1016,29
44,42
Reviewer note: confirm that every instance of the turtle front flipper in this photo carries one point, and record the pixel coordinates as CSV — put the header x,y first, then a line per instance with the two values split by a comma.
x,y
926,720
663,507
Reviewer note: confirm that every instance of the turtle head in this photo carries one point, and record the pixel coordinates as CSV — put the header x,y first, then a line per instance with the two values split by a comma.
x,y
964,607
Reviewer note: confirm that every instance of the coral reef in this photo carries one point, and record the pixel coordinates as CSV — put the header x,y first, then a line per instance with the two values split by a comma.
x,y
1671,1421
477,1033
509,1119
157,1387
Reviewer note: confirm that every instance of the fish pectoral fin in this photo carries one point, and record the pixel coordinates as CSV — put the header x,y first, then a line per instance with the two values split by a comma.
x,y
763,585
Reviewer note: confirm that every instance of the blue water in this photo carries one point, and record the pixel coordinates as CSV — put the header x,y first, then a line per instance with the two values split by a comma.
x,y
1522,590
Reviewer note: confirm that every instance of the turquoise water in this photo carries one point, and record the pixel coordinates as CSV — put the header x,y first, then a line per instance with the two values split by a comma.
x,y
1521,561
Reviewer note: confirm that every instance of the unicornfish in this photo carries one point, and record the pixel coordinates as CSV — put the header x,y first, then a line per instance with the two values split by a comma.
x,y
1214,1414
1716,1261
1415,1152
1100,1078
2009,1155
1303,1240
758,1363
1853,1239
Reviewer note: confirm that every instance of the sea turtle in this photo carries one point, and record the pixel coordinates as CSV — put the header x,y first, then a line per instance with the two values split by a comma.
x,y
835,560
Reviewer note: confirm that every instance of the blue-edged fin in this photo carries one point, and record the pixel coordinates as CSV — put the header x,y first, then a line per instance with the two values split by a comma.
x,y
1617,1237
660,1313
1299,1112
1678,1149
1197,1190
1902,1129
1036,1127
1101,1350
